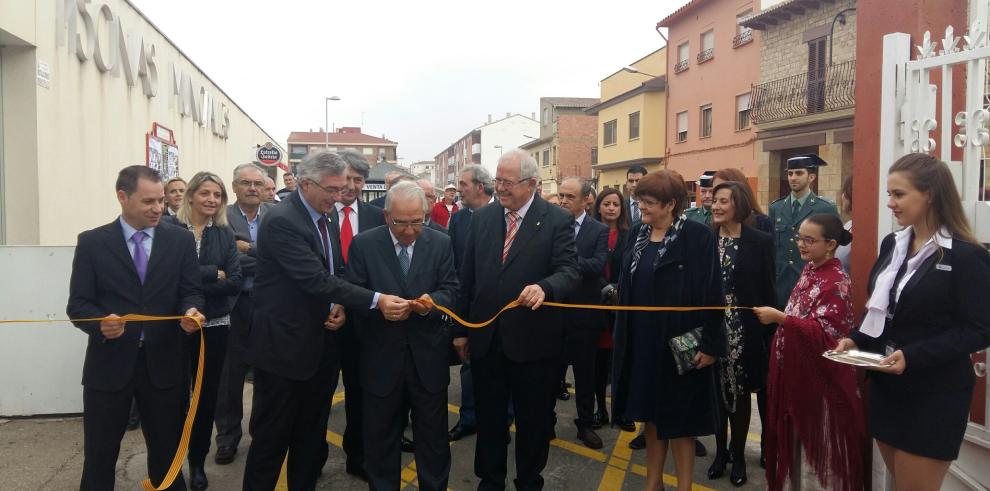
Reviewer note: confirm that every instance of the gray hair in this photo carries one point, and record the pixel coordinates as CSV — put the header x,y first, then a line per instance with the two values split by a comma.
x,y
405,190
480,175
249,165
586,188
356,162
316,165
528,169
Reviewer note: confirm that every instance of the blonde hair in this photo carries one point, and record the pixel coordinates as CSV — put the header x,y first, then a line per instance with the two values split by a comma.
x,y
197,181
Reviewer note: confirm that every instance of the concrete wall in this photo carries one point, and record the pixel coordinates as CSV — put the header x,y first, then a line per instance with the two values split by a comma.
x,y
63,145
507,133
576,135
621,81
652,128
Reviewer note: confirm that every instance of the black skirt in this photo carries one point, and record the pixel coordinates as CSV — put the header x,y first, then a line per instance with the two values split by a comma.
x,y
928,424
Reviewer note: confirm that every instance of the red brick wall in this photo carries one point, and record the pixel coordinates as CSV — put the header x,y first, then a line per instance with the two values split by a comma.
x,y
576,136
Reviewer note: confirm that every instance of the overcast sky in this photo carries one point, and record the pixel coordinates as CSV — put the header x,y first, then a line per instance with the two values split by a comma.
x,y
421,73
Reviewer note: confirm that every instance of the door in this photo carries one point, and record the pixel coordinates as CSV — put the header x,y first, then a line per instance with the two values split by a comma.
x,y
817,53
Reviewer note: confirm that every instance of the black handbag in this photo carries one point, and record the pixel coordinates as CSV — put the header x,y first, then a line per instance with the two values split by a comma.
x,y
684,348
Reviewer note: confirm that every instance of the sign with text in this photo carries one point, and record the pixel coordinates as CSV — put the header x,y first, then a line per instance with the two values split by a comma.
x,y
268,154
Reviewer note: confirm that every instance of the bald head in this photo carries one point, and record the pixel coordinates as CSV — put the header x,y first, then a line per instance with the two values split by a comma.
x,y
428,190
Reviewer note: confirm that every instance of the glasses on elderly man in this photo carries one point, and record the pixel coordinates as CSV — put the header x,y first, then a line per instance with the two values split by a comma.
x,y
329,190
507,184
413,224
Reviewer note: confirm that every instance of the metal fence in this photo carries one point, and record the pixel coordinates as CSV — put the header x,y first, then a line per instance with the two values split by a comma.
x,y
816,91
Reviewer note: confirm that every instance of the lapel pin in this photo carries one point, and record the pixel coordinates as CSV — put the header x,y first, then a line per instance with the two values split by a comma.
x,y
537,224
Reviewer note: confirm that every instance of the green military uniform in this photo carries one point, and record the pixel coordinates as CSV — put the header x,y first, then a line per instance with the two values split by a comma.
x,y
699,214
787,258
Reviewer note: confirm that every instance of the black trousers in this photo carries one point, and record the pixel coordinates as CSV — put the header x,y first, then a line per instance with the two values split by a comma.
x,y
230,401
603,368
531,386
105,421
384,420
283,419
580,348
350,366
216,352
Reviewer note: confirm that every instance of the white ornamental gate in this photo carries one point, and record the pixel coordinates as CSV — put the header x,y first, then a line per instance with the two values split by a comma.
x,y
909,123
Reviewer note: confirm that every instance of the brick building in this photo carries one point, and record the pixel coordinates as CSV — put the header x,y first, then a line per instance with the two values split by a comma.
x,y
373,148
568,138
804,100
485,144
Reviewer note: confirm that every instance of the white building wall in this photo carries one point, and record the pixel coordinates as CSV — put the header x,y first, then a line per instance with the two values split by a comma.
x,y
507,133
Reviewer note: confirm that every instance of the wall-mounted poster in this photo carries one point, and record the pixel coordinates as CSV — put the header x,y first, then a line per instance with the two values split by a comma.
x,y
162,151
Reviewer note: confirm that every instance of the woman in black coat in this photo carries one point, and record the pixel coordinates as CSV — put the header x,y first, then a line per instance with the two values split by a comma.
x,y
747,273
668,261
927,312
204,213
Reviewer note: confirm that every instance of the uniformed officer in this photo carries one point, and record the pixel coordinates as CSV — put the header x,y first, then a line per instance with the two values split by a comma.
x,y
786,215
703,212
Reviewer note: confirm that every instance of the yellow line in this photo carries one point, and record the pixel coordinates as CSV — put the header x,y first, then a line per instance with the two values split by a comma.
x,y
579,449
615,471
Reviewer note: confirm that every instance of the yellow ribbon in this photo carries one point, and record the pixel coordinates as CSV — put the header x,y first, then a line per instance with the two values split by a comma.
x,y
180,453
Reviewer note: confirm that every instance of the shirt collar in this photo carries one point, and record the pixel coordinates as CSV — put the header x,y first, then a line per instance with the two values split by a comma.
x,y
580,219
525,208
256,216
395,242
354,206
313,214
129,231
802,199
942,239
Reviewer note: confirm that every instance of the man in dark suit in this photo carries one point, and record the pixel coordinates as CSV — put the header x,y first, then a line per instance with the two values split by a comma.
x,y
352,217
404,363
522,249
244,217
583,328
633,175
134,265
476,188
299,299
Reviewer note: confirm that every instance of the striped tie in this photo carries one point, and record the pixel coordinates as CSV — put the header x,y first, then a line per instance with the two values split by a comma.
x,y
510,234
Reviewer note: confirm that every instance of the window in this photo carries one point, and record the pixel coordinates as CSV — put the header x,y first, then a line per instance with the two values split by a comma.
x,y
545,118
368,151
706,121
546,158
609,133
817,55
707,46
682,126
742,111
297,151
594,155
739,17
744,35
634,125
682,58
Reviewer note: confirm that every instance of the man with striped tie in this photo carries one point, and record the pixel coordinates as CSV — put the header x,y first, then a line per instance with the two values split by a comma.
x,y
523,250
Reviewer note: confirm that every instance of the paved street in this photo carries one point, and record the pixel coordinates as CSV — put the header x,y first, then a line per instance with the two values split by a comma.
x,y
46,454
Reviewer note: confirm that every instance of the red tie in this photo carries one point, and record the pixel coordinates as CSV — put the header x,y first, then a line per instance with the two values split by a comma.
x,y
346,232
510,234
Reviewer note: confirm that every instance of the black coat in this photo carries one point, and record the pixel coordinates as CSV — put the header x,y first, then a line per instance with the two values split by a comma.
x,y
688,275
293,290
218,251
592,253
104,281
543,254
938,321
753,277
373,264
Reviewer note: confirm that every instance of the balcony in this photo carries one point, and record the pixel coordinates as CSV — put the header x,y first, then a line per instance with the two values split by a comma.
x,y
817,91
706,55
742,38
681,66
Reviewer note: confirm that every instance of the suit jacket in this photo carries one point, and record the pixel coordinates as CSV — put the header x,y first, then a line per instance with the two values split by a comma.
x,y
592,253
938,321
542,253
237,222
218,252
293,290
753,278
379,202
786,224
373,264
104,281
436,226
458,229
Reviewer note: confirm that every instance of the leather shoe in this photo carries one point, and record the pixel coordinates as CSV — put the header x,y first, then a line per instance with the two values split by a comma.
x,y
638,443
357,472
699,449
589,437
460,431
225,455
197,478
407,445
738,475
563,394
717,469
599,419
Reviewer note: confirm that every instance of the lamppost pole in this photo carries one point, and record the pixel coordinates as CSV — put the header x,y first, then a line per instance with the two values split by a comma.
x,y
326,120
842,20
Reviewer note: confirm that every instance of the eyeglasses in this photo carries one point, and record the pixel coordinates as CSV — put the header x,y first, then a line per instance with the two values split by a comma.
x,y
328,190
808,241
507,184
413,224
248,184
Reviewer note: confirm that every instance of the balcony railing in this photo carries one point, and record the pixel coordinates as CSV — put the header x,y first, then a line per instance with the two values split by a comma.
x,y
816,91
742,38
706,55
681,66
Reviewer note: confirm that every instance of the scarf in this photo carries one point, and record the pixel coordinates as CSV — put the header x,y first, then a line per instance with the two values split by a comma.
x,y
643,239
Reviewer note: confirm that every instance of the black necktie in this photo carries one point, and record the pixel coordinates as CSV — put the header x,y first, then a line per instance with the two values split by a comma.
x,y
325,238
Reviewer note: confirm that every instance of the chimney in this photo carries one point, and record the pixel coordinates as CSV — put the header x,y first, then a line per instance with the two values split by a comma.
x,y
532,115
508,114
321,129
489,118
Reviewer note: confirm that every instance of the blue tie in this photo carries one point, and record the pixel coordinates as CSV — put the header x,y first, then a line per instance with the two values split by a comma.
x,y
404,260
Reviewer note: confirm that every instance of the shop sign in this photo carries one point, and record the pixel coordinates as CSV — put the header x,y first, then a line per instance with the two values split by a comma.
x,y
269,154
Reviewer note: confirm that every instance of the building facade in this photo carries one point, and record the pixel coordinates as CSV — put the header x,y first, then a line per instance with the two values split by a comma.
x,y
632,120
87,89
485,144
373,148
712,66
426,169
567,141
805,97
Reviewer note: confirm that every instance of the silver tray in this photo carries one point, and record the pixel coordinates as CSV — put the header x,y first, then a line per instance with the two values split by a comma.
x,y
856,358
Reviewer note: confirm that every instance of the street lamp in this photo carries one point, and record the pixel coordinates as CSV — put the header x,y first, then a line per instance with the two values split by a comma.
x,y
326,119
632,69
531,137
841,18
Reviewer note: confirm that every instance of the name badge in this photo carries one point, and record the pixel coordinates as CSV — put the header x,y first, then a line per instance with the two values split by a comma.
x,y
943,267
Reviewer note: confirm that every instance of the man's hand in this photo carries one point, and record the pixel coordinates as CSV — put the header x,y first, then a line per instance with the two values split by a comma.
x,y
336,318
462,349
422,305
532,296
394,308
112,329
189,325
243,246
221,275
